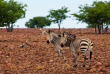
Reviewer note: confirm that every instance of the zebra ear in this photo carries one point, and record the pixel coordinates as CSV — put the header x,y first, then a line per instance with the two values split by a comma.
x,y
59,36
43,31
63,34
74,36
49,31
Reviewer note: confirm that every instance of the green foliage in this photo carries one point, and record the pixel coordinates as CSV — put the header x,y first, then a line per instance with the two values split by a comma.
x,y
15,11
10,12
57,16
3,5
90,26
38,22
96,14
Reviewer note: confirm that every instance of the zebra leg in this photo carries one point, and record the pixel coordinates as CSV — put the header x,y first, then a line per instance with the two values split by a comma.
x,y
63,55
75,58
74,55
58,55
84,59
58,51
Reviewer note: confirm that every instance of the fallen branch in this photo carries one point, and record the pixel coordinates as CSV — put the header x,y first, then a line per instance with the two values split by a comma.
x,y
26,44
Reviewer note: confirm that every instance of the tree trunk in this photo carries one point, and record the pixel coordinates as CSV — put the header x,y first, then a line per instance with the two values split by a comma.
x,y
9,29
106,29
6,26
59,28
99,29
102,28
95,29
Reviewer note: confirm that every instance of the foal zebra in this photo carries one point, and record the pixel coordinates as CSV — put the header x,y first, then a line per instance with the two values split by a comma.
x,y
77,46
54,38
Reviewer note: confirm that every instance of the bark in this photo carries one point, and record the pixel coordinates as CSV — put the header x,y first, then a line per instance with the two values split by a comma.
x,y
25,44
9,29
102,28
99,29
95,29
106,29
59,28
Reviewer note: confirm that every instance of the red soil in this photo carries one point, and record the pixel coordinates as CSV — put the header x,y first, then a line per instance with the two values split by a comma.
x,y
42,58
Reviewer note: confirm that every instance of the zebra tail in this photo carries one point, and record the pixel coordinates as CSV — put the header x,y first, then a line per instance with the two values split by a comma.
x,y
90,51
90,55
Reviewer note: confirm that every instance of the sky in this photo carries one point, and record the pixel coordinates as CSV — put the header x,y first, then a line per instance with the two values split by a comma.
x,y
41,8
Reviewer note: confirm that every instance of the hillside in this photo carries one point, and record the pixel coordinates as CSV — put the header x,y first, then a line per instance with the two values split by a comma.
x,y
42,58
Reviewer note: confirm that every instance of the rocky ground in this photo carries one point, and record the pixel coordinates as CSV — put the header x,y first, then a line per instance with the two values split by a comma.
x,y
42,58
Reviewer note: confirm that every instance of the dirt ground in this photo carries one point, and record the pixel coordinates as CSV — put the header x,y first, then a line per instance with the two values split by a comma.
x,y
42,58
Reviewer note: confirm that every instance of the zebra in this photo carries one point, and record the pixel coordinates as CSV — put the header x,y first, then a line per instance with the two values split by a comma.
x,y
77,46
55,39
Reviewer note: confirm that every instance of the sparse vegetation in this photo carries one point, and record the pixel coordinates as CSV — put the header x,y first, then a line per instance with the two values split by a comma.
x,y
95,15
38,22
57,16
10,12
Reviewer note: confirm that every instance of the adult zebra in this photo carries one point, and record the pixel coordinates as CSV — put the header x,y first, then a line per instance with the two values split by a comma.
x,y
77,46
54,38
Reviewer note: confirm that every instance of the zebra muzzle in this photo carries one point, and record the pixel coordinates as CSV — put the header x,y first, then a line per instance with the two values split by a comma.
x,y
48,41
62,45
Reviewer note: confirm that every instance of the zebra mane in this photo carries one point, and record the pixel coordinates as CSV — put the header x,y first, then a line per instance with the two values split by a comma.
x,y
69,35
54,34
56,38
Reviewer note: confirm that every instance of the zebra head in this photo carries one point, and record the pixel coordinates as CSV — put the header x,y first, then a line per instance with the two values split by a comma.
x,y
66,38
49,35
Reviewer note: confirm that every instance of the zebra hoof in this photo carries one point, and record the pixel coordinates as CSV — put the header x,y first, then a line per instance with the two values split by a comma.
x,y
74,66
83,65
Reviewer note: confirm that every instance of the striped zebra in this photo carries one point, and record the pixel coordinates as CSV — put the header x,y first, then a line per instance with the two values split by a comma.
x,y
54,38
77,46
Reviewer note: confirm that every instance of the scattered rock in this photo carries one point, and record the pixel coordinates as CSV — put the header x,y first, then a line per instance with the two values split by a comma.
x,y
51,61
39,67
93,70
99,66
68,66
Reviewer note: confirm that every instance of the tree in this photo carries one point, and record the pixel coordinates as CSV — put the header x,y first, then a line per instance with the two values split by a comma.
x,y
57,16
10,12
96,15
38,22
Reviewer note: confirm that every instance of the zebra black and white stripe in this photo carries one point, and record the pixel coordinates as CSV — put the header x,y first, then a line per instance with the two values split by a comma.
x,y
86,45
